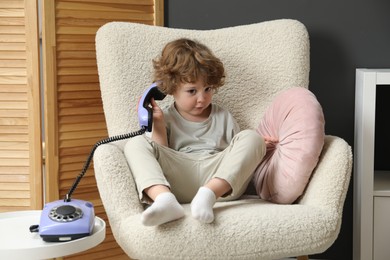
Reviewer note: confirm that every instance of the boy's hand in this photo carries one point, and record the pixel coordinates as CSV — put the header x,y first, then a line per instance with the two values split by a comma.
x,y
159,132
158,114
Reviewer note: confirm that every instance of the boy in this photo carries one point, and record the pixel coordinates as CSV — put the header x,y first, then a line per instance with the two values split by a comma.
x,y
196,153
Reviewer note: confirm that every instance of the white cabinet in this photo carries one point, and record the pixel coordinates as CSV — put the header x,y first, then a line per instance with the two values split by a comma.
x,y
371,223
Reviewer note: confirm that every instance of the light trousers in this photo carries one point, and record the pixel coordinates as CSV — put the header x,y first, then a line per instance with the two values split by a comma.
x,y
184,173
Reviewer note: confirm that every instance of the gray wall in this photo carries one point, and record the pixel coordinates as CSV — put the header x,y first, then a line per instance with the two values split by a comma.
x,y
344,35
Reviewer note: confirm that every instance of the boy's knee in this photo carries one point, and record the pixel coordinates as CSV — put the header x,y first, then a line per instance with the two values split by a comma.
x,y
251,136
135,143
253,139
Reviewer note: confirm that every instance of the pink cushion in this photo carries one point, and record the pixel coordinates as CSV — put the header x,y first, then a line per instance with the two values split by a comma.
x,y
293,127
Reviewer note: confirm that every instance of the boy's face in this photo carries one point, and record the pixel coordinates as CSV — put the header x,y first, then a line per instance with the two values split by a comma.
x,y
192,100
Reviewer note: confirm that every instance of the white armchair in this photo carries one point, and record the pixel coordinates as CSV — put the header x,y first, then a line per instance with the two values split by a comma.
x,y
260,60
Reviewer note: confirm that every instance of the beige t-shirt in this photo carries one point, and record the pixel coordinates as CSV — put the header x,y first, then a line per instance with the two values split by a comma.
x,y
210,136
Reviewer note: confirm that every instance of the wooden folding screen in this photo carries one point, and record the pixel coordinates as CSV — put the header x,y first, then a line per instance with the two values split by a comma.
x,y
74,119
20,118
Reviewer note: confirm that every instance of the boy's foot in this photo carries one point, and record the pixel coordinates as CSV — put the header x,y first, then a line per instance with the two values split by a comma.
x,y
202,205
164,209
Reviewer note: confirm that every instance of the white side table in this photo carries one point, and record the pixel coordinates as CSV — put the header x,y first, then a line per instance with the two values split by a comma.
x,y
17,242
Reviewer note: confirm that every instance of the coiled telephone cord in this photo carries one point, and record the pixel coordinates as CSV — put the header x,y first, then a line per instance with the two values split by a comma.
x,y
90,156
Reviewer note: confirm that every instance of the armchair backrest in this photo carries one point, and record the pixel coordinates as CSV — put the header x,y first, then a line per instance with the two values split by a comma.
x,y
260,60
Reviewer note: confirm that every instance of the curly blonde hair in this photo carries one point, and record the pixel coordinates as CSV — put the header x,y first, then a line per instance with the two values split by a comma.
x,y
185,61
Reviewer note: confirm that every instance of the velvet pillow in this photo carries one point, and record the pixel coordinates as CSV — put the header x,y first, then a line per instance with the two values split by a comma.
x,y
293,127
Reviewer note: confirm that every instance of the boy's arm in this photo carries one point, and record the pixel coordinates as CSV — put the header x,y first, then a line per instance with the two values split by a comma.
x,y
159,132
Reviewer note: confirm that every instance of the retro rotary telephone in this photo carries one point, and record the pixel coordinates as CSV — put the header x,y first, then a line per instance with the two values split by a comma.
x,y
70,219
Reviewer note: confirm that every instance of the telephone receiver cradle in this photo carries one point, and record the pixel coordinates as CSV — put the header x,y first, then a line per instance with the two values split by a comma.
x,y
70,219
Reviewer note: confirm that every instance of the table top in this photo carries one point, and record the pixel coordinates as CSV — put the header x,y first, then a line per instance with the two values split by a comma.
x,y
17,242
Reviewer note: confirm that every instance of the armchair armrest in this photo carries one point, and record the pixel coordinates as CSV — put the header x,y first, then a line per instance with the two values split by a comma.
x,y
329,183
115,182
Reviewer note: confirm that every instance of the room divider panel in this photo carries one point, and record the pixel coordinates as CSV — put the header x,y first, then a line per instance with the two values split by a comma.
x,y
74,119
20,117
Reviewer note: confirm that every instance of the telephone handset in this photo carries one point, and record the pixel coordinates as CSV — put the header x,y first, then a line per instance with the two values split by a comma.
x,y
145,111
67,219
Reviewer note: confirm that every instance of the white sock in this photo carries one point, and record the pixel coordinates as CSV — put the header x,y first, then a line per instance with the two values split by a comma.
x,y
165,208
202,205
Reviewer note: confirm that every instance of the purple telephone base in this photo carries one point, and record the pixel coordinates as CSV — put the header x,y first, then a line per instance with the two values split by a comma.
x,y
65,221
